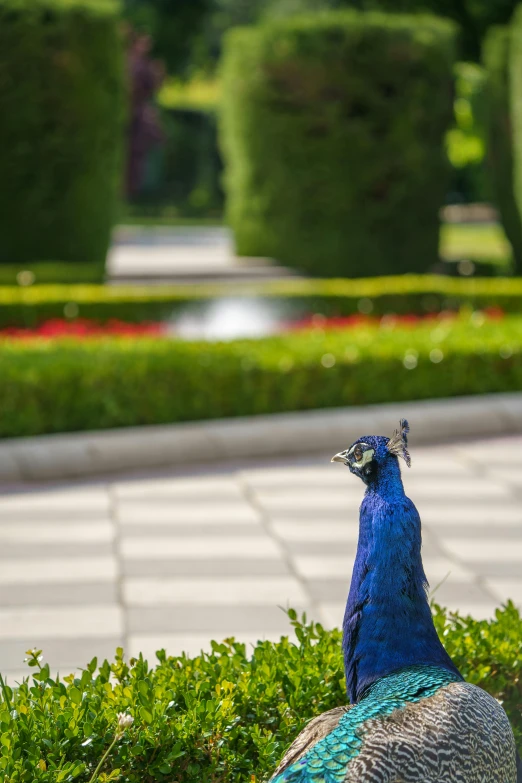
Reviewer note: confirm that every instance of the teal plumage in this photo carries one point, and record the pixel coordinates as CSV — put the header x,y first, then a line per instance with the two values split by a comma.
x,y
421,725
413,719
327,760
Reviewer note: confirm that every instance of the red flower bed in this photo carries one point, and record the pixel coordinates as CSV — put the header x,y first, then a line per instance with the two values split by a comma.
x,y
350,321
83,328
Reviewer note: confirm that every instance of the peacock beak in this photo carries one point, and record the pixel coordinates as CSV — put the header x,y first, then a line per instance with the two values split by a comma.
x,y
341,457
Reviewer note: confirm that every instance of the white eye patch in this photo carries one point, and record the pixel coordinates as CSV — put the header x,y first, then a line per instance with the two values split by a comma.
x,y
366,457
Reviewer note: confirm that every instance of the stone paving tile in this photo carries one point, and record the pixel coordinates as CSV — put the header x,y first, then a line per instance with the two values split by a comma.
x,y
54,570
319,566
43,552
176,560
473,550
71,503
48,533
176,513
308,530
214,592
472,514
37,623
329,590
191,487
331,613
455,489
465,596
198,567
59,595
203,548
196,529
193,643
492,531
493,568
229,619
506,589
323,548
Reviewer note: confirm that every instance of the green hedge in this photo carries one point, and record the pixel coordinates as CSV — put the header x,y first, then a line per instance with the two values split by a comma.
x,y
67,386
45,272
515,87
332,132
29,306
223,717
496,55
61,99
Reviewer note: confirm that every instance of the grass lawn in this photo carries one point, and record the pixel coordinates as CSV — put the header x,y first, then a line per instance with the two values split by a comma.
x,y
474,241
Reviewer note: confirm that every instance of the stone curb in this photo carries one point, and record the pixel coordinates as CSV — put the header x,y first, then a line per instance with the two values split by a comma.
x,y
90,454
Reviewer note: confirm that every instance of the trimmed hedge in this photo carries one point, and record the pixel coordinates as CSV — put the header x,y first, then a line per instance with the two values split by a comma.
x,y
62,99
496,55
223,717
409,294
47,272
332,129
515,87
67,385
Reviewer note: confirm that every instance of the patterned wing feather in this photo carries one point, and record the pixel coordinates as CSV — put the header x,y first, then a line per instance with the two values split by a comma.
x,y
316,730
422,725
460,733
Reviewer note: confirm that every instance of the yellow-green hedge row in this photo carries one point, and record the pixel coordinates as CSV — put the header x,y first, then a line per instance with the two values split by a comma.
x,y
418,294
69,385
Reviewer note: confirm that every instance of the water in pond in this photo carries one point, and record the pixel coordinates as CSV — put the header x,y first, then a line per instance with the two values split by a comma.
x,y
230,319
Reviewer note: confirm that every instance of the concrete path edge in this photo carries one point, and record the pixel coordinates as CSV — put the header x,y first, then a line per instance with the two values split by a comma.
x,y
92,454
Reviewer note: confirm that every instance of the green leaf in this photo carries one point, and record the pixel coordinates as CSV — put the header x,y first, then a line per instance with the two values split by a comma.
x,y
75,695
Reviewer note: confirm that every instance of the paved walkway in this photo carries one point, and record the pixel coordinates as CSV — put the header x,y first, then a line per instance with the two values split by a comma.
x,y
183,254
172,561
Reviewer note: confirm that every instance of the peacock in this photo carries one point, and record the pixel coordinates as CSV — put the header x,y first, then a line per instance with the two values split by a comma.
x,y
412,718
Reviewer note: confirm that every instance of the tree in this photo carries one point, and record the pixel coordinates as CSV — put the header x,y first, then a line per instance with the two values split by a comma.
x,y
475,17
173,26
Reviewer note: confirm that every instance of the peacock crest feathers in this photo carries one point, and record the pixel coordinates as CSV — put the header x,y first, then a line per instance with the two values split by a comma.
x,y
398,443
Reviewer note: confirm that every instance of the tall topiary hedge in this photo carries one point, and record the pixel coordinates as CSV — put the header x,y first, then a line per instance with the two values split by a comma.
x,y
332,130
515,91
62,95
496,54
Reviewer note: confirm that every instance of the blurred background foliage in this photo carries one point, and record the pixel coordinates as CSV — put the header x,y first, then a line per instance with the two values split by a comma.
x,y
174,82
344,139
184,177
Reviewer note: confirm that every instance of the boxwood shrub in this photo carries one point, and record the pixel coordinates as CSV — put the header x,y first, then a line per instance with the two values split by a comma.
x,y
68,385
332,132
62,97
222,717
406,294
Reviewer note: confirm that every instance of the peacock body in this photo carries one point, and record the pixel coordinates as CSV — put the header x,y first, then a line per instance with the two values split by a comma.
x,y
412,718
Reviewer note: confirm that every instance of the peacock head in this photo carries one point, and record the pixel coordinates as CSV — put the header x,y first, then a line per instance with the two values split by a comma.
x,y
370,454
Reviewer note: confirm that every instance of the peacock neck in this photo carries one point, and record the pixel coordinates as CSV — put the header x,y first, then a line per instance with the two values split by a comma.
x,y
388,624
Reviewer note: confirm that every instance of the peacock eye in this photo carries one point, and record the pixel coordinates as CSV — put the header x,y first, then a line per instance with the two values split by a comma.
x,y
358,453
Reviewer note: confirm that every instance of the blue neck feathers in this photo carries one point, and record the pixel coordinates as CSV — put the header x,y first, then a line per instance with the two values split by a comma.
x,y
388,624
